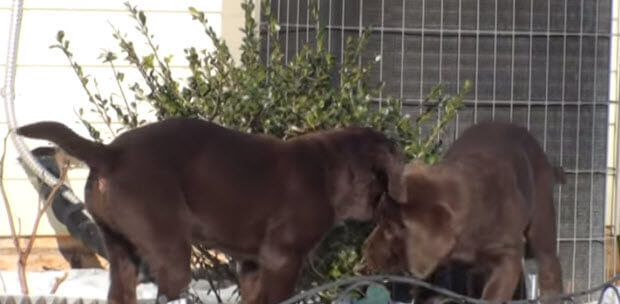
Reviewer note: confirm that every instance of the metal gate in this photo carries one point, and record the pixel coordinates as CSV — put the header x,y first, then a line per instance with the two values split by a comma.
x,y
544,64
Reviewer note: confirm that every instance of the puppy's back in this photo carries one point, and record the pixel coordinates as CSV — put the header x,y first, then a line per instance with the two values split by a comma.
x,y
491,136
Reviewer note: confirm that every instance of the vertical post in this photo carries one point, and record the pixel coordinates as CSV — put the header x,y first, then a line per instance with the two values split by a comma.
x,y
592,152
577,146
532,286
615,96
476,67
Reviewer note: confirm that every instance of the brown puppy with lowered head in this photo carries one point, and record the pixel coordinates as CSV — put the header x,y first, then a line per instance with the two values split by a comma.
x,y
488,199
155,190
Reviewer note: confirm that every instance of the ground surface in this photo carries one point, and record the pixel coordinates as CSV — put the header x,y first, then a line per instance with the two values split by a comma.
x,y
90,284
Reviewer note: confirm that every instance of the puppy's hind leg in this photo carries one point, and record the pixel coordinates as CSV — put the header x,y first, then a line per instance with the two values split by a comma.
x,y
504,278
541,238
171,267
157,224
123,268
167,250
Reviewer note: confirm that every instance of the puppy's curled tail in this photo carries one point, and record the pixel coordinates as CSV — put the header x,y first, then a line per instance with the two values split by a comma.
x,y
95,155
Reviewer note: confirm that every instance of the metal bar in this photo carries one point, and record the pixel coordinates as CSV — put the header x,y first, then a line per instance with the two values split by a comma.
x,y
342,39
329,27
547,75
440,71
279,20
422,35
495,63
268,49
288,15
512,58
361,25
458,65
297,29
381,52
402,50
577,144
562,118
308,12
582,239
476,68
501,102
594,98
440,42
529,76
456,32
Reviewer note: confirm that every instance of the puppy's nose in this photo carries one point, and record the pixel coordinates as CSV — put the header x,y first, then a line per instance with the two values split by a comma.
x,y
362,268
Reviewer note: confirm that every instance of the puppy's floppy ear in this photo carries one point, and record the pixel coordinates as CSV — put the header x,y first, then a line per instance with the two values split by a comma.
x,y
428,221
419,185
430,239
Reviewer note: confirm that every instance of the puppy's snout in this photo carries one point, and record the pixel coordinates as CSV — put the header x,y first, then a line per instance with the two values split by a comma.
x,y
362,267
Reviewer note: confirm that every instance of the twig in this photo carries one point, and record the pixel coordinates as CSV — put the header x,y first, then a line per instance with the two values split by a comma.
x,y
23,254
120,86
214,288
9,212
48,202
84,81
3,284
59,281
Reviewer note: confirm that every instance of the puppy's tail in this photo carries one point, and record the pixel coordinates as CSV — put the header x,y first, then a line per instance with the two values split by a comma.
x,y
559,175
95,155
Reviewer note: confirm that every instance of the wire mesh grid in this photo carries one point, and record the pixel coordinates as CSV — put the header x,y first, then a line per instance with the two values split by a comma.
x,y
544,64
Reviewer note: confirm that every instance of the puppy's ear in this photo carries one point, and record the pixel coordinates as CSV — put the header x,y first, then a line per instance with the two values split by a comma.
x,y
394,168
420,186
430,239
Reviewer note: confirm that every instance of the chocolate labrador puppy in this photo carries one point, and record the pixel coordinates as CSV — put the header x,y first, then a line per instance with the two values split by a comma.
x,y
155,190
488,199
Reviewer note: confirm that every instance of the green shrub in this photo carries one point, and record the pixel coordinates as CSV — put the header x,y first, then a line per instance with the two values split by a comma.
x,y
269,96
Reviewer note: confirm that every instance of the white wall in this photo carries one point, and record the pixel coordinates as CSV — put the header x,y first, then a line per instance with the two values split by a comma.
x,y
47,88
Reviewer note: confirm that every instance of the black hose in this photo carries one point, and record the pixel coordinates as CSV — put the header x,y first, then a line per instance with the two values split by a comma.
x,y
73,216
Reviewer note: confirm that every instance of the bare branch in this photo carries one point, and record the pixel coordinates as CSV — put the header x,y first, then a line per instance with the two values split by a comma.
x,y
9,212
23,254
7,206
48,202
59,281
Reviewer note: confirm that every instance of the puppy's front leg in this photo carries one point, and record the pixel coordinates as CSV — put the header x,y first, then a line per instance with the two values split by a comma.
x,y
504,278
249,283
279,269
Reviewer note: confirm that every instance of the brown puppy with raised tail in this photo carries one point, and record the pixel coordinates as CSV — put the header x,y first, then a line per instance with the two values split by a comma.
x,y
488,199
155,190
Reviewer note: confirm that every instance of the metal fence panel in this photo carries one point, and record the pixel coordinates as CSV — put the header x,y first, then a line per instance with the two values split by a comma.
x,y
541,64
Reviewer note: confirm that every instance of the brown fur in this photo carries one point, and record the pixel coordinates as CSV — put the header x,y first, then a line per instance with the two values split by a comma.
x,y
490,196
157,189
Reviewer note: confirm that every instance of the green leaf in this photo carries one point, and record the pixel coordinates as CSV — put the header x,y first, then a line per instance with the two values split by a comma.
x,y
60,36
142,17
147,61
109,56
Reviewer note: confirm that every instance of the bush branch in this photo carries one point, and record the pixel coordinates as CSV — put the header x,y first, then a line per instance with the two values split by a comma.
x,y
23,254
